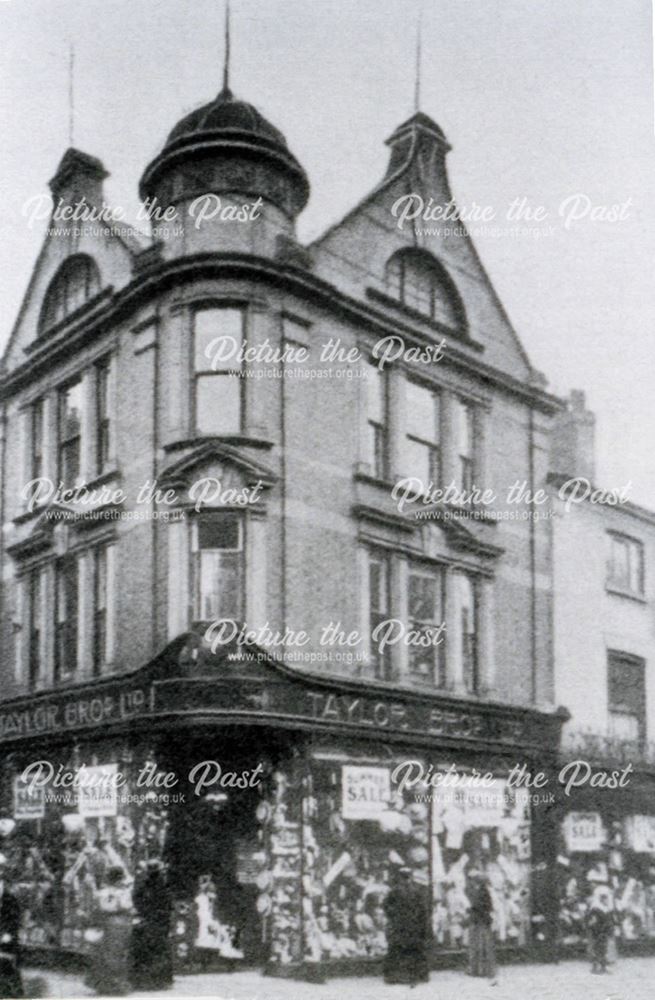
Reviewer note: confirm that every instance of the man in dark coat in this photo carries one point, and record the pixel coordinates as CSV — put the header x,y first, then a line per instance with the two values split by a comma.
x,y
406,960
10,979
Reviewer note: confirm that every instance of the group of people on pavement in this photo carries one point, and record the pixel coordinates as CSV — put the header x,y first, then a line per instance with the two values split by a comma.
x,y
129,932
128,935
406,909
407,912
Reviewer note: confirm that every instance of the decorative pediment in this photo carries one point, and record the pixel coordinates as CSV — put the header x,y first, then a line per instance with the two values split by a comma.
x,y
440,528
48,529
216,475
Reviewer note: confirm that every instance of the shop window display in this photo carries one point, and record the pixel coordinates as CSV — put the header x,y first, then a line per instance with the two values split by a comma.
x,y
621,856
59,856
488,830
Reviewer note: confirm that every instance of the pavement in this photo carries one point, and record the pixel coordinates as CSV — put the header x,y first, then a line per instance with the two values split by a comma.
x,y
629,979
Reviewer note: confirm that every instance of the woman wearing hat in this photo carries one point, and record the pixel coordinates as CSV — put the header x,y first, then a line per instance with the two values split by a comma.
x,y
151,950
482,957
109,972
405,907
10,979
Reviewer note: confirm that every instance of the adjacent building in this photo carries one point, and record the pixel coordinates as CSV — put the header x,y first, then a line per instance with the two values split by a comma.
x,y
604,561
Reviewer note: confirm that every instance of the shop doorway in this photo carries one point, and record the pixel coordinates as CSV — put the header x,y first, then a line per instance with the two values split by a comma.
x,y
214,847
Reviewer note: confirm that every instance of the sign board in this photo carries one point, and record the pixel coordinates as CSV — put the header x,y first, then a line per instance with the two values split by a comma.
x,y
584,831
29,803
365,791
640,833
97,793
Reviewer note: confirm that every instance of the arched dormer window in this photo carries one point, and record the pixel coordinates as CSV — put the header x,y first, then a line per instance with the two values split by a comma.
x,y
418,280
76,281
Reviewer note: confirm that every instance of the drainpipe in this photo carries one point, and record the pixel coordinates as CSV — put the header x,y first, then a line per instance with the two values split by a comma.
x,y
533,567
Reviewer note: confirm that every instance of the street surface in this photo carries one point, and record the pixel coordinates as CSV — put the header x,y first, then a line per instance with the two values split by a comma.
x,y
630,979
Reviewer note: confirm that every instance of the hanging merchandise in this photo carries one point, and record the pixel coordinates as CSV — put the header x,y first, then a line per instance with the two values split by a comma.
x,y
485,829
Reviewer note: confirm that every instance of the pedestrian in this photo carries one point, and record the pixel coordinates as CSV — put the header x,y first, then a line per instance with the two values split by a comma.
x,y
151,949
482,954
599,925
11,984
110,936
405,908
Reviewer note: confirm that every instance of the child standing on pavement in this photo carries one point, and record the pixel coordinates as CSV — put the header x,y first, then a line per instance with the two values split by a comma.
x,y
599,925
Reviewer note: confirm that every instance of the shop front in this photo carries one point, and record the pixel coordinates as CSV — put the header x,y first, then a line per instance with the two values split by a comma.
x,y
607,838
282,807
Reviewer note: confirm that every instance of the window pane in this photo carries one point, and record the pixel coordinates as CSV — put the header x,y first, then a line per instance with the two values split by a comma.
x,y
445,310
394,277
464,429
101,579
417,461
218,404
219,532
418,288
70,411
220,584
378,609
423,598
422,412
424,615
376,407
636,555
378,585
624,726
218,337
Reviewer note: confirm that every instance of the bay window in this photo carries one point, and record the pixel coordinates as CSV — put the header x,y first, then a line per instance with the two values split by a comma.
x,y
218,386
219,566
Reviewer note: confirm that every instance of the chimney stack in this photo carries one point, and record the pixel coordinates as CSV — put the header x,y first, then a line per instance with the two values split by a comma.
x,y
573,439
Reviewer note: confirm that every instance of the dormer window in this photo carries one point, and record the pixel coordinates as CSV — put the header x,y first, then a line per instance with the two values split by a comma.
x,y
76,281
417,280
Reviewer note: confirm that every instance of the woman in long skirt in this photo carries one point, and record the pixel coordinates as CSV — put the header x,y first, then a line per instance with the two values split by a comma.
x,y
406,960
109,971
482,954
153,966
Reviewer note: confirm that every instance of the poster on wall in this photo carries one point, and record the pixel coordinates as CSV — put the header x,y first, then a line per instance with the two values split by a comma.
x,y
98,793
584,831
365,791
640,834
29,803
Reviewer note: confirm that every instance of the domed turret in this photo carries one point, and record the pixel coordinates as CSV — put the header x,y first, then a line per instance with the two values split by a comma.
x,y
228,149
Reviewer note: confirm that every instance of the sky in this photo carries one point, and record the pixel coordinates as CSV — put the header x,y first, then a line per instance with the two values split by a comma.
x,y
545,100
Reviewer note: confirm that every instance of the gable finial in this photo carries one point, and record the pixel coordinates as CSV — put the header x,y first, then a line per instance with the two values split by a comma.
x,y
226,60
71,94
417,80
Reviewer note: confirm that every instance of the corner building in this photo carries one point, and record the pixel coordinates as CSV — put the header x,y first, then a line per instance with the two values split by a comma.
x,y
257,487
